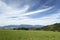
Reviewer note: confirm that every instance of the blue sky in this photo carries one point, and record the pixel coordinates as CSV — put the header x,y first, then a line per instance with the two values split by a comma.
x,y
33,12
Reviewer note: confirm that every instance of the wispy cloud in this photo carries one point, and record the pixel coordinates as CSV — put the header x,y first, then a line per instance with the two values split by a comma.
x,y
9,11
10,15
38,11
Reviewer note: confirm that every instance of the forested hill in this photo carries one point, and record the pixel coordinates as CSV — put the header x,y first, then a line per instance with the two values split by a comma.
x,y
53,27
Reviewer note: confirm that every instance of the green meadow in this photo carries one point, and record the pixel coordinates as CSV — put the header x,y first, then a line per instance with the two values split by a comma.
x,y
28,35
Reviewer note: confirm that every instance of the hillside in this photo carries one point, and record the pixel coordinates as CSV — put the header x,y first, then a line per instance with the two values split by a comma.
x,y
53,27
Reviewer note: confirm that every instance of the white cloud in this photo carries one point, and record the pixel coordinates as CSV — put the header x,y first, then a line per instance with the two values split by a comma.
x,y
38,11
9,12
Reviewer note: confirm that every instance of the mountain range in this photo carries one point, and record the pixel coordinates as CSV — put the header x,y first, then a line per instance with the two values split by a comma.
x,y
21,26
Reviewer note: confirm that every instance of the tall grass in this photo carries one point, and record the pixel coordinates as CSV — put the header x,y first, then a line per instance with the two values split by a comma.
x,y
28,35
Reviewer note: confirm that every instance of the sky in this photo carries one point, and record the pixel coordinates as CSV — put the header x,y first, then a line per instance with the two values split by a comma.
x,y
33,12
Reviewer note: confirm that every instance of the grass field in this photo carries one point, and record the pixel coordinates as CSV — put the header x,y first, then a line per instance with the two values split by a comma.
x,y
28,35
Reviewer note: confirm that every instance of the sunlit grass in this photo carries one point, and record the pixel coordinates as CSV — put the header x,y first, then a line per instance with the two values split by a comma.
x,y
28,35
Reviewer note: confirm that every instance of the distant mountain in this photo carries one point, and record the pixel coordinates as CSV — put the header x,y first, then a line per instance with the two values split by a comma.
x,y
21,26
53,27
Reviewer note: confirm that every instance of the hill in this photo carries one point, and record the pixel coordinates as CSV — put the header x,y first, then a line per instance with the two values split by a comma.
x,y
53,27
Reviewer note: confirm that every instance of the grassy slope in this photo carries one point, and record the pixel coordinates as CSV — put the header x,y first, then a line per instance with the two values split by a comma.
x,y
28,35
